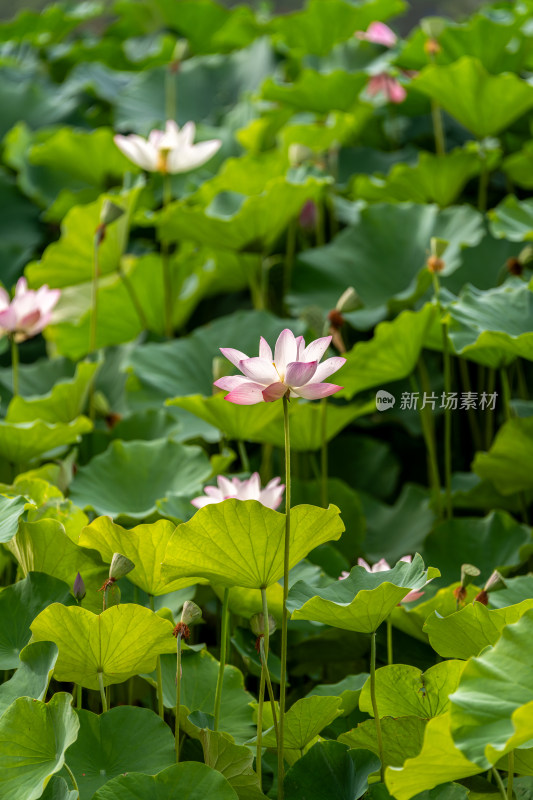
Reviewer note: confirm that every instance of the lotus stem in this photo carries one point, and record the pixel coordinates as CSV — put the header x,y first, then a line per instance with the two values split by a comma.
x,y
490,414
134,299
264,646
72,778
510,775
374,701
390,659
290,252
223,645
483,185
270,689
323,453
438,129
447,422
15,365
472,419
506,390
498,779
429,439
79,696
243,455
160,704
285,615
259,748
178,700
102,691
165,260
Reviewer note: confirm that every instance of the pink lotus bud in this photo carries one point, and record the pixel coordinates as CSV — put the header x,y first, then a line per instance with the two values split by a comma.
x,y
387,86
378,33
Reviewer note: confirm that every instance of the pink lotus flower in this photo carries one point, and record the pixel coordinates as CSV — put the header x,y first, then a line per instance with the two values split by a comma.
x,y
378,33
293,370
29,312
383,566
170,151
386,85
250,489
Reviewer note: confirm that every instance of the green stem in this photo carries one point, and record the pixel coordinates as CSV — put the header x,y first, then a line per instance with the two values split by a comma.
x,y
178,700
323,452
489,427
15,365
447,422
79,696
438,129
390,659
270,689
472,419
134,299
223,644
165,260
72,778
289,258
483,186
259,747
506,389
160,705
243,455
374,701
431,450
498,779
510,775
102,691
285,615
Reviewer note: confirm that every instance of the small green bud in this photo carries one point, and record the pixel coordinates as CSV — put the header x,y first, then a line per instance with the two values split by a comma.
x,y
348,301
120,566
110,212
469,573
257,624
433,27
299,154
190,612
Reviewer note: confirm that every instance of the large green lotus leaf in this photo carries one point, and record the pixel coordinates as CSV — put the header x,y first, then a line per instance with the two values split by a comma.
x,y
129,477
317,91
11,509
330,769
144,545
37,378
519,168
404,691
236,222
44,546
493,327
264,422
208,26
515,590
393,531
485,104
187,781
21,442
382,254
402,738
321,135
348,689
490,543
434,179
115,743
491,709
496,42
72,518
19,229
48,26
19,605
362,601
509,462
390,355
33,739
512,219
32,676
482,265
198,688
121,642
469,631
304,720
247,175
71,259
411,619
437,762
234,761
206,88
240,543
305,32
185,366
32,97
63,403
57,789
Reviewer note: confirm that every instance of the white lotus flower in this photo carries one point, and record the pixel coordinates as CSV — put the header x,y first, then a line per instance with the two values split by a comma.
x,y
170,151
249,489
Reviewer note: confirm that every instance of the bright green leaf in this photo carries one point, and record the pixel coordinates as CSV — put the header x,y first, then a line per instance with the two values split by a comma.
x,y
328,770
32,676
188,781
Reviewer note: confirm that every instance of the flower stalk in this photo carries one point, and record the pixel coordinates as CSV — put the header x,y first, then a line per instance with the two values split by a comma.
x,y
159,675
285,615
15,364
223,646
374,701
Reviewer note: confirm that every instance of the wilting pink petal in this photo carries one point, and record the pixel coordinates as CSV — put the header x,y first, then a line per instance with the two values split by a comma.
x,y
412,596
316,391
378,33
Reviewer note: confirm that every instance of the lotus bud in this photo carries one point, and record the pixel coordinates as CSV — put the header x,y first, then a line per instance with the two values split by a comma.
x,y
78,589
299,154
120,566
494,584
257,624
526,256
349,301
468,575
110,212
432,48
190,612
435,263
308,215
